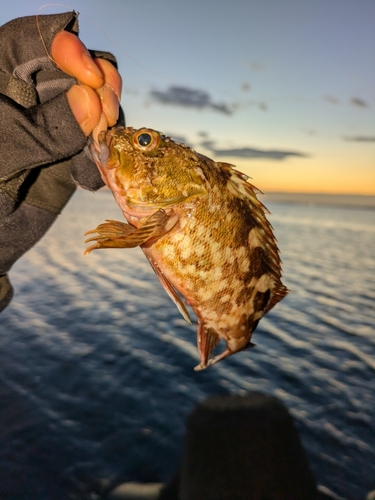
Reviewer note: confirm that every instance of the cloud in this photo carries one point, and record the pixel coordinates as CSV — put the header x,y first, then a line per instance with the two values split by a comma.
x,y
202,133
190,98
356,101
263,106
129,91
251,153
331,99
309,131
178,138
359,138
257,67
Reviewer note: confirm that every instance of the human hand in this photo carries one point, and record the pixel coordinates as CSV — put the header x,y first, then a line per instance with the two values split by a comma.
x,y
44,156
95,101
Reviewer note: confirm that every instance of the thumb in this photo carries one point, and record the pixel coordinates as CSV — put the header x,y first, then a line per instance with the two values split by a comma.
x,y
72,57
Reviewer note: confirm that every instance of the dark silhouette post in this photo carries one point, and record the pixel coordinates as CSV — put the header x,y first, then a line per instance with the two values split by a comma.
x,y
244,448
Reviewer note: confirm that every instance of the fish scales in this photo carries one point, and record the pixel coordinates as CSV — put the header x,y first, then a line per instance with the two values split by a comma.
x,y
202,228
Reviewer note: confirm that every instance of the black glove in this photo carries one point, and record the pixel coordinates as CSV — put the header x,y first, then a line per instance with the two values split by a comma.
x,y
44,153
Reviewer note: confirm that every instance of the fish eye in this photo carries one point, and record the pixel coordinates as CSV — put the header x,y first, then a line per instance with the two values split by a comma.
x,y
146,140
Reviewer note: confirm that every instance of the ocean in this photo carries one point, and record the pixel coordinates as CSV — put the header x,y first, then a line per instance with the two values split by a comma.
x,y
96,363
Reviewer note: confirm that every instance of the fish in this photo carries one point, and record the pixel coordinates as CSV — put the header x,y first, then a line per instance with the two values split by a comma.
x,y
202,229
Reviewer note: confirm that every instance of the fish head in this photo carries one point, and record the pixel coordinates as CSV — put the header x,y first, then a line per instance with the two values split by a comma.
x,y
148,169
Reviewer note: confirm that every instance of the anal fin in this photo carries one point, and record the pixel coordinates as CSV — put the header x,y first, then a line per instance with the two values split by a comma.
x,y
171,292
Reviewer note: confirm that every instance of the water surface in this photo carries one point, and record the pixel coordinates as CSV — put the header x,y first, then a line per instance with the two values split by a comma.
x,y
96,363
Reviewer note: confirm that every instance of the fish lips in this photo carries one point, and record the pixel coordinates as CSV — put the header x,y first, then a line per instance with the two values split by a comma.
x,y
101,149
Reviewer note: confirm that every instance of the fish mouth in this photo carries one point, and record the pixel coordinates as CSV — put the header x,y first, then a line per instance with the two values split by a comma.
x,y
100,149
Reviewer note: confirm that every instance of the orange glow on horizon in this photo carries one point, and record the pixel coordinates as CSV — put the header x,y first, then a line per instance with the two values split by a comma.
x,y
311,176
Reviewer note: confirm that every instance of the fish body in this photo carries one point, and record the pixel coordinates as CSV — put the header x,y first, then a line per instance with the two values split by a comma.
x,y
201,227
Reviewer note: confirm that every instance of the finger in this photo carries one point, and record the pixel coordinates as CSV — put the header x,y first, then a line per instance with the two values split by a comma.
x,y
110,93
73,58
110,104
86,107
111,75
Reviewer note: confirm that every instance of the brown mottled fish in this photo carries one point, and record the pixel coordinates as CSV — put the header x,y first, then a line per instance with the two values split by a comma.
x,y
201,227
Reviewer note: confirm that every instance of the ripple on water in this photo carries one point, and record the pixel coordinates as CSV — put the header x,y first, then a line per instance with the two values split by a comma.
x,y
97,364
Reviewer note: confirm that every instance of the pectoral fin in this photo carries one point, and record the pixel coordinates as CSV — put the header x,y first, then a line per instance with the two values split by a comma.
x,y
115,234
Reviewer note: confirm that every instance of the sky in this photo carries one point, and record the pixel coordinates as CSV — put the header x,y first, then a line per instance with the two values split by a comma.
x,y
283,89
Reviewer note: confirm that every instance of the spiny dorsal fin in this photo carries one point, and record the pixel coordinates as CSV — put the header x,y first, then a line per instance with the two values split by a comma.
x,y
239,186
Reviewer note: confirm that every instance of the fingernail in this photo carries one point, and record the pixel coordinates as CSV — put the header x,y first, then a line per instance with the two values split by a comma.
x,y
90,65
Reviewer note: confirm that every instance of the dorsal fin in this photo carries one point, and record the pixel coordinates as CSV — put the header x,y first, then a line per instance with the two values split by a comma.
x,y
238,185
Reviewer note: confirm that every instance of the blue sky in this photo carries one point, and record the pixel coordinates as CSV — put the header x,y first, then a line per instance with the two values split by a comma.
x,y
285,90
